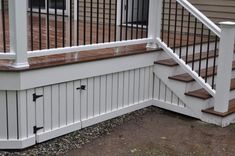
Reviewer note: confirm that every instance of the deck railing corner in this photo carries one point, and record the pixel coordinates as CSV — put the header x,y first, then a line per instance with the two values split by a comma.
x,y
154,25
18,32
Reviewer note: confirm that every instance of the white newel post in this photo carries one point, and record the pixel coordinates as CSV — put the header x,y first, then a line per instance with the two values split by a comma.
x,y
18,32
118,19
224,71
155,15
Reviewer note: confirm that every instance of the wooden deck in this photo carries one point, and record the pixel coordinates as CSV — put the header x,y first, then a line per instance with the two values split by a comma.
x,y
93,33
42,62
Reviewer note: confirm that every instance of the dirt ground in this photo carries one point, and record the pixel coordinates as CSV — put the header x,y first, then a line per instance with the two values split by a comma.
x,y
161,133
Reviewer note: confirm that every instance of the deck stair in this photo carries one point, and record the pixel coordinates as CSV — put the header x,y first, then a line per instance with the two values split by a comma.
x,y
197,99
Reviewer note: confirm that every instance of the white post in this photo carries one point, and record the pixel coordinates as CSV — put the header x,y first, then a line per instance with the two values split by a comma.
x,y
154,28
118,19
75,10
224,71
18,31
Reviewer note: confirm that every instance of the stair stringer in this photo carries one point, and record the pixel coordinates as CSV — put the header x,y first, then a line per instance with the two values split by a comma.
x,y
164,97
179,88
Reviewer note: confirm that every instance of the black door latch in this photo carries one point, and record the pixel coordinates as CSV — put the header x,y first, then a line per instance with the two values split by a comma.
x,y
35,129
35,97
83,87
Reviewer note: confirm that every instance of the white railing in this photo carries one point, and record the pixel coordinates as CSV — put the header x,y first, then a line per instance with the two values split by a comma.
x,y
225,59
200,16
46,52
186,67
19,39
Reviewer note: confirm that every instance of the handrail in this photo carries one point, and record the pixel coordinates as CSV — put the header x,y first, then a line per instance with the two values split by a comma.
x,y
65,50
7,56
200,16
186,67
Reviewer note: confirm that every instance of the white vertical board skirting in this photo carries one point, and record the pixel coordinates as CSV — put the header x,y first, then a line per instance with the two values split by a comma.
x,y
64,107
164,94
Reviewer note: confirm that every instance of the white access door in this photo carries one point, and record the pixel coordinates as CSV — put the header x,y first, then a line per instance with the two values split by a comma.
x,y
57,109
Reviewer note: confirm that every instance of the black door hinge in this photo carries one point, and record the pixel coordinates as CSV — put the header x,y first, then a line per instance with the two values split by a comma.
x,y
83,87
35,97
35,129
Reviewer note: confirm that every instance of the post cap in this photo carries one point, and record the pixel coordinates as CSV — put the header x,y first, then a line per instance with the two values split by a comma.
x,y
228,24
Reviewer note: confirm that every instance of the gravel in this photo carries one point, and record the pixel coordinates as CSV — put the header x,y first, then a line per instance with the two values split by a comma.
x,y
78,138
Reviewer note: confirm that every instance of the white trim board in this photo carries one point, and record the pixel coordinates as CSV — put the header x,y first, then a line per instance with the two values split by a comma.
x,y
60,74
17,144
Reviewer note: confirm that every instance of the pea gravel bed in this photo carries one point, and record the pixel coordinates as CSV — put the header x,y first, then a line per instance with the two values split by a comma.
x,y
77,139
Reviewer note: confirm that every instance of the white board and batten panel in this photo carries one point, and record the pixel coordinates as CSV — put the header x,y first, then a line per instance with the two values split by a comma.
x,y
16,130
4,116
164,94
9,128
102,94
13,115
64,107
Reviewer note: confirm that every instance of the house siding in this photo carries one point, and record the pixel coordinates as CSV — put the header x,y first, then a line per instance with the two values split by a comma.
x,y
216,10
96,10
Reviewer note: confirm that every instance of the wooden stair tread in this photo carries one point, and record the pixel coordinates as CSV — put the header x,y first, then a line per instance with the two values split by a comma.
x,y
203,94
171,62
200,93
230,111
187,78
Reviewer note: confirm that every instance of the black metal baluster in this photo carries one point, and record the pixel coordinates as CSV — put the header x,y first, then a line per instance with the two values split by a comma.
x,y
188,35
48,26
115,22
121,20
163,18
132,18
91,21
137,22
63,23
201,45
4,27
207,55
194,42
56,45
127,9
39,25
103,21
78,24
181,32
31,23
175,26
97,22
110,13
214,63
169,23
84,23
147,22
71,23
142,23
